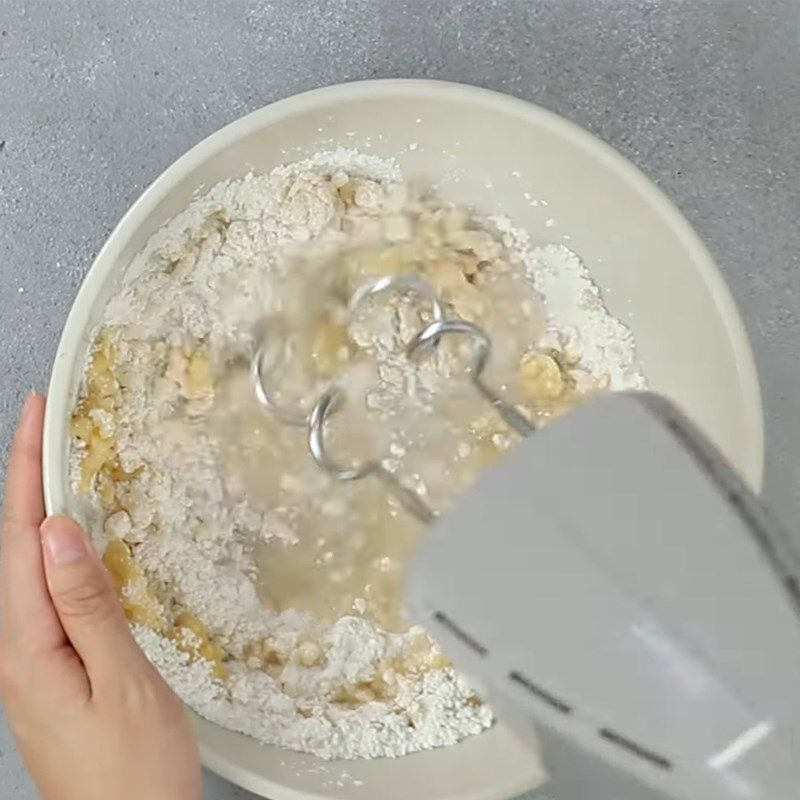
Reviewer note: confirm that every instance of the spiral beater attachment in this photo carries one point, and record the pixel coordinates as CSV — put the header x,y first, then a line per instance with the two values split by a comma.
x,y
423,343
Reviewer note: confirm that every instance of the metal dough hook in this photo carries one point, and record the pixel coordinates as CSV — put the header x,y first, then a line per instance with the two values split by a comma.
x,y
323,409
285,414
423,342
404,283
432,334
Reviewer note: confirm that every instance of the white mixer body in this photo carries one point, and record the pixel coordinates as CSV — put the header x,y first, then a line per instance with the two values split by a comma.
x,y
613,586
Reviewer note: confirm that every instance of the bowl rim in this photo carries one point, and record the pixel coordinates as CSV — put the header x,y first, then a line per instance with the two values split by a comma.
x,y
106,260
359,90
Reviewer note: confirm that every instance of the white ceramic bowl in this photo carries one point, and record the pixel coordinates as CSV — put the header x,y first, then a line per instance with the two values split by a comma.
x,y
498,153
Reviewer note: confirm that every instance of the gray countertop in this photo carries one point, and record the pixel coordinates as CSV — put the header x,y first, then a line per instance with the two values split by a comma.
x,y
97,98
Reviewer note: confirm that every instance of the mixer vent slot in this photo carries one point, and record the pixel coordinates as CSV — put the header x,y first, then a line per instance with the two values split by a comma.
x,y
541,694
459,633
634,747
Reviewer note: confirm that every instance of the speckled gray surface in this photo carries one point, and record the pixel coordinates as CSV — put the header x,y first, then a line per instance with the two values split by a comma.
x,y
97,98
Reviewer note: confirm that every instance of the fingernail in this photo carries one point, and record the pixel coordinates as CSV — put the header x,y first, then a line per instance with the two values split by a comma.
x,y
64,541
28,404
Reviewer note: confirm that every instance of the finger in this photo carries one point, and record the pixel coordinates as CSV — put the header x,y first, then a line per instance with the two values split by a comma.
x,y
90,613
29,622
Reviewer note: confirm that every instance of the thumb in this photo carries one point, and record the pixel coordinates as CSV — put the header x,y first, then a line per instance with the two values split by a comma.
x,y
85,601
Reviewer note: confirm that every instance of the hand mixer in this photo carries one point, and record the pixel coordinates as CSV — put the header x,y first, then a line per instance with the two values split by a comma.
x,y
612,588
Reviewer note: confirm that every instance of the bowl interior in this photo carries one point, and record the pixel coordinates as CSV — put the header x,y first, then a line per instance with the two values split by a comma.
x,y
500,155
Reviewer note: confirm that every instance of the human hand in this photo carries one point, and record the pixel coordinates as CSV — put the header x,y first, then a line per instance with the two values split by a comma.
x,y
92,717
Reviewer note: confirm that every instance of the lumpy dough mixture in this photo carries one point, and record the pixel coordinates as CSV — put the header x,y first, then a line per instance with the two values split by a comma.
x,y
267,593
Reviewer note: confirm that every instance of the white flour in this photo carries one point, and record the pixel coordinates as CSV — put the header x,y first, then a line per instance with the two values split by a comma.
x,y
343,688
435,711
579,322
